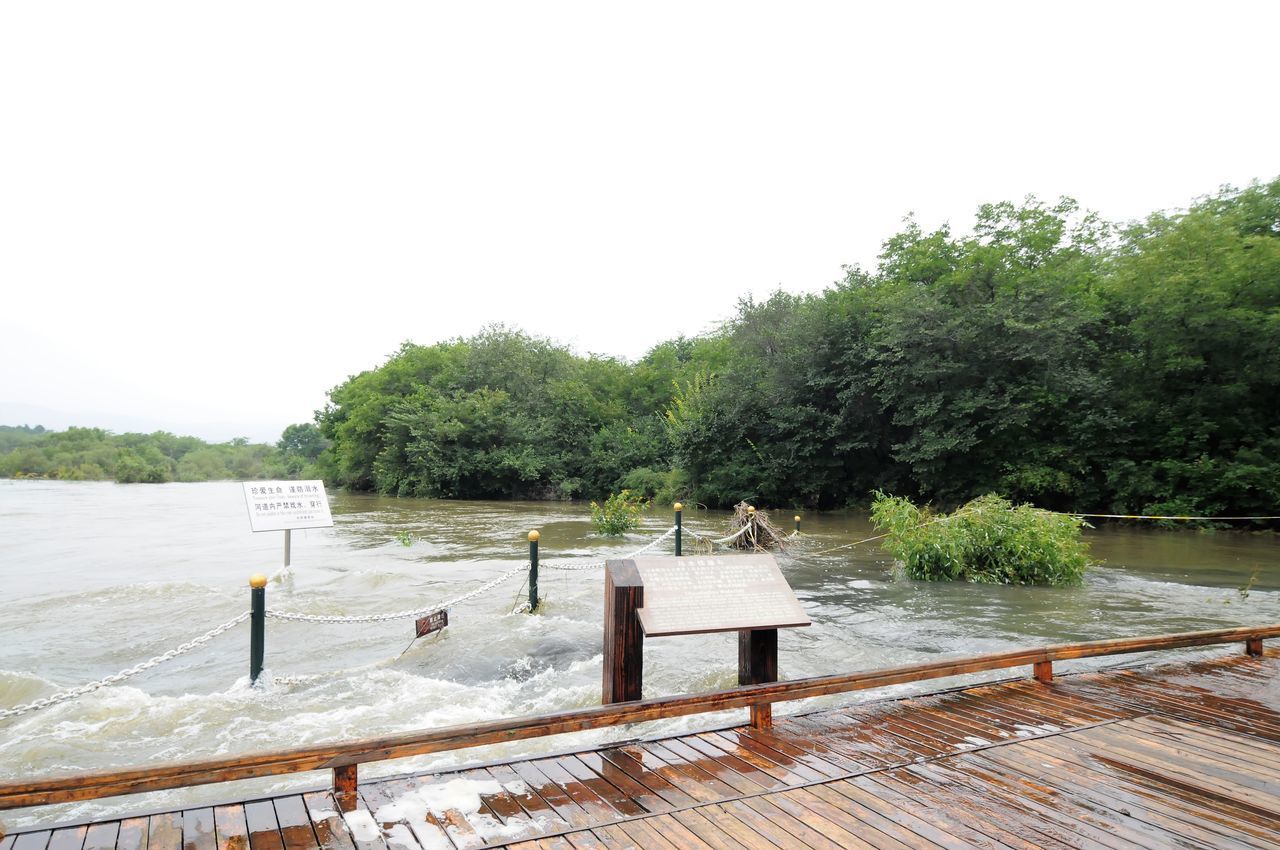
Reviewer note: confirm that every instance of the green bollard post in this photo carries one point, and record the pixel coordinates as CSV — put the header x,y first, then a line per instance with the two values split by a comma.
x,y
257,625
533,571
797,523
679,514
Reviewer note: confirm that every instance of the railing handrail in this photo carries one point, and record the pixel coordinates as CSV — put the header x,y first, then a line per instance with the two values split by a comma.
x,y
87,786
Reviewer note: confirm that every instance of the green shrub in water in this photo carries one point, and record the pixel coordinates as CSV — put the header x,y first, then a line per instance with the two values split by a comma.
x,y
988,540
620,513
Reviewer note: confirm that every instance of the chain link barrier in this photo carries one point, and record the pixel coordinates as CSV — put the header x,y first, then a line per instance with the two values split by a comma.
x,y
595,565
398,615
719,541
182,649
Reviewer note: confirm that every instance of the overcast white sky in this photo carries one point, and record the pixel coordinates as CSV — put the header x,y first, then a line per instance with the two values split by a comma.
x,y
210,214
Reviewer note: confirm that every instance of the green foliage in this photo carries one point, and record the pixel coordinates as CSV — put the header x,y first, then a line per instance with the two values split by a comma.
x,y
1043,354
84,454
619,514
988,540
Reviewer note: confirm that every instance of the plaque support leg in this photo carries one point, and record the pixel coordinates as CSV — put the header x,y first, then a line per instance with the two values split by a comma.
x,y
758,664
623,637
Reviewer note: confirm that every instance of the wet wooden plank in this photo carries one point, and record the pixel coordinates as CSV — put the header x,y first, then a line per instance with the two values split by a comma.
x,y
962,819
198,830
812,756
403,824
727,777
1262,754
295,824
832,826
133,834
1113,792
841,816
264,829
165,831
693,747
622,760
555,796
68,838
790,775
540,813
1068,815
596,807
32,840
326,819
675,832
601,787
230,827
102,836
715,821
1035,812
702,784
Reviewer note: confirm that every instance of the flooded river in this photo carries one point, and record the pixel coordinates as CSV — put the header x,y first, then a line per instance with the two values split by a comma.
x,y
98,577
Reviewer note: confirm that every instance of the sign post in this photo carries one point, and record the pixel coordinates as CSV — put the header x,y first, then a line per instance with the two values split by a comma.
x,y
659,597
286,505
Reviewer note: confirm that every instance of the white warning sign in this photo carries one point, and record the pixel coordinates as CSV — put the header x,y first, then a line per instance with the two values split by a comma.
x,y
280,505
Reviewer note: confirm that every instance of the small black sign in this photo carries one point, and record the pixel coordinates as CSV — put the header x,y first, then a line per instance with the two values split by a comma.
x,y
432,623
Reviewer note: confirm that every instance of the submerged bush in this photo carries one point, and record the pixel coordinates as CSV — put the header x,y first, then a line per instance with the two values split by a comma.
x,y
988,540
619,514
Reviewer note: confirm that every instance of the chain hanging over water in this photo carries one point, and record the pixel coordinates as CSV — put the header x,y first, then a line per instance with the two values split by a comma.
x,y
398,615
182,649
595,565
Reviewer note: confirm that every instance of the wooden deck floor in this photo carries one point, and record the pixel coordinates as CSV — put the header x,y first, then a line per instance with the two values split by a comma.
x,y
1170,756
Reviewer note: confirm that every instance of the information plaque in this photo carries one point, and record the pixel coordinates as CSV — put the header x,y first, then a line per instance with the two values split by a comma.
x,y
284,505
694,595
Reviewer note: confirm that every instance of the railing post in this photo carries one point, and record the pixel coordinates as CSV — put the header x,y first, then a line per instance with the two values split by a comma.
x,y
533,571
257,624
679,515
758,664
345,780
1043,671
797,523
751,524
1253,646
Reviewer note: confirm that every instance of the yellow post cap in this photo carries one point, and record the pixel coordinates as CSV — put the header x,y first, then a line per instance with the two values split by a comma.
x,y
750,509
797,517
679,507
257,580
533,536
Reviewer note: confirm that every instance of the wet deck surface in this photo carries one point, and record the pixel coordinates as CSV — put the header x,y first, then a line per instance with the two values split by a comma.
x,y
1170,756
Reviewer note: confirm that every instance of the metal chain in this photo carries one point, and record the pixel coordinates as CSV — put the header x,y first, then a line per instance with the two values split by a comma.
x,y
398,615
124,674
718,540
595,565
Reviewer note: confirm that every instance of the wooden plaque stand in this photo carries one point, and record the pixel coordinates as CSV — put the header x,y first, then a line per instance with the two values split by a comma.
x,y
624,644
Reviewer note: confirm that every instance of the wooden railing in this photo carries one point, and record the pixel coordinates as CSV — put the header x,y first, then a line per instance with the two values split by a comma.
x,y
343,758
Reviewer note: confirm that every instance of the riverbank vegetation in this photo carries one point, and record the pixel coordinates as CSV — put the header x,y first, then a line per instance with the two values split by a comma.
x,y
1045,355
90,454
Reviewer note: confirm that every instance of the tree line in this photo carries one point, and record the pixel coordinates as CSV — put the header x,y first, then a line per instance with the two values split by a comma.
x,y
92,454
1046,355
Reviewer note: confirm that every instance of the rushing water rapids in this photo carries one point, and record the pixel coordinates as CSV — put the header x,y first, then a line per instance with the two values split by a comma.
x,y
98,577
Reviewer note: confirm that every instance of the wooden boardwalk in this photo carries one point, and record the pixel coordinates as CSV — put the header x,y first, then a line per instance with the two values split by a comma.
x,y
1184,755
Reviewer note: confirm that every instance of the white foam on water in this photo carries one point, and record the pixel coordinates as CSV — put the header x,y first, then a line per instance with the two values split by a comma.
x,y
320,815
362,826
516,787
860,584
